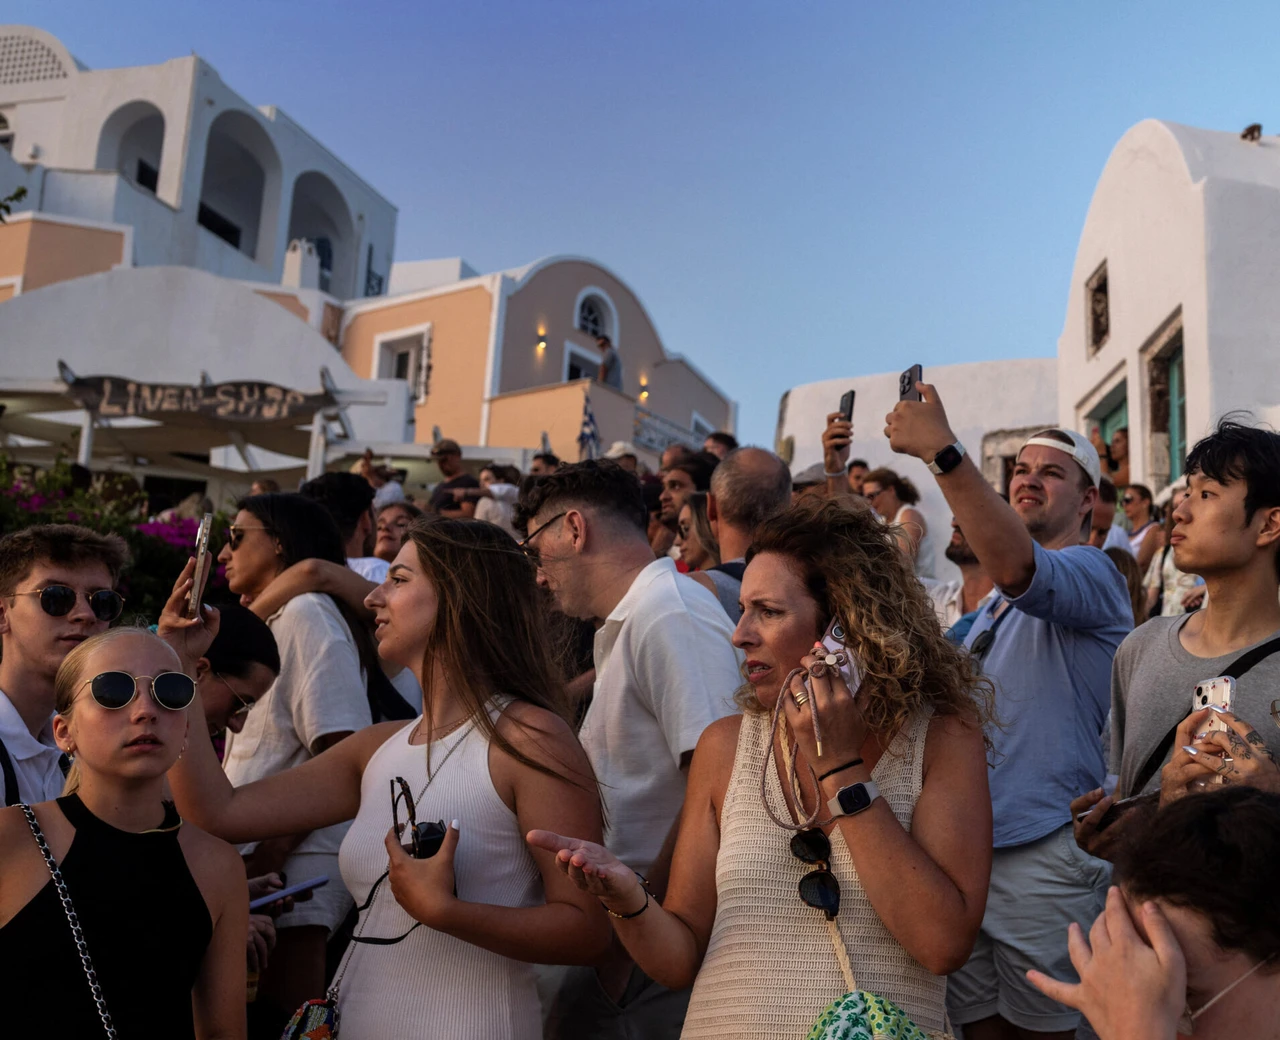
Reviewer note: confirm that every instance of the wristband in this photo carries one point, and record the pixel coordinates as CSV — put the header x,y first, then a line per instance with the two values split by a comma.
x,y
839,769
833,476
644,884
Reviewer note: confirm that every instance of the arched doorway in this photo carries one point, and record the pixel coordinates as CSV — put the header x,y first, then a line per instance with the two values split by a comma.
x,y
319,214
132,143
240,190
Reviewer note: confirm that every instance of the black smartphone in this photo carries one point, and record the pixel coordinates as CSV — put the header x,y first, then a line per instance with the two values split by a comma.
x,y
846,406
907,384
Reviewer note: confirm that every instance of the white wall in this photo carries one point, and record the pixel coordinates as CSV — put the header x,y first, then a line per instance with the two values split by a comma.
x,y
418,275
980,398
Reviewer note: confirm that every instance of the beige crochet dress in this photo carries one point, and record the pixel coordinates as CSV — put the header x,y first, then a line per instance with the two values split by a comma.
x,y
770,967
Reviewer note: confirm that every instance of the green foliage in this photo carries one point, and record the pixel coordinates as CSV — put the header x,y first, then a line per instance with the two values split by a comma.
x,y
112,504
6,204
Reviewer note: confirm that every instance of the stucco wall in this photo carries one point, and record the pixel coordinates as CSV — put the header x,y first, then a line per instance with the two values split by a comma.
x,y
1146,220
288,301
459,345
544,302
43,252
980,399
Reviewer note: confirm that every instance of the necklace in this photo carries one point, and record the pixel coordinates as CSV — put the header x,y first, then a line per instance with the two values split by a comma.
x,y
438,734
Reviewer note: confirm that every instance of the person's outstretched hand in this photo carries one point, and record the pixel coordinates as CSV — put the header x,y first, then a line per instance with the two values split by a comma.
x,y
836,439
1129,989
594,869
190,637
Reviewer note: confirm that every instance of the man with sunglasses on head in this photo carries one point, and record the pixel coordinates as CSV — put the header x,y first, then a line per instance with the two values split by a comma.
x,y
1046,639
57,588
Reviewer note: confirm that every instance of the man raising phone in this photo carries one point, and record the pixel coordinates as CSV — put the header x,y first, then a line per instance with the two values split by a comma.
x,y
1046,640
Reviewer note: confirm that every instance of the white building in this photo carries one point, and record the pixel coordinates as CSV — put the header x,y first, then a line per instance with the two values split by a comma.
x,y
1173,317
1026,392
203,178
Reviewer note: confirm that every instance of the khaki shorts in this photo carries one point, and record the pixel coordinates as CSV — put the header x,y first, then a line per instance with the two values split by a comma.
x,y
1037,890
329,904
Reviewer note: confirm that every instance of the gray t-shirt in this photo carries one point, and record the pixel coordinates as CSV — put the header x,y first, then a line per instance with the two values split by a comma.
x,y
1152,682
611,368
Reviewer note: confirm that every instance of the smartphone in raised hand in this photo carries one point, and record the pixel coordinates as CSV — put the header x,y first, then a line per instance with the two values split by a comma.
x,y
201,574
846,406
907,384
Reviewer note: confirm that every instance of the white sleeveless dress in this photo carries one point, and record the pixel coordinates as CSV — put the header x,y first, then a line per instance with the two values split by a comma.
x,y
770,968
924,551
431,984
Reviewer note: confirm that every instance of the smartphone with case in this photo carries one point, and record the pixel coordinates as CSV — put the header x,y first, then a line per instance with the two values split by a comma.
x,y
201,574
907,384
846,406
1214,693
833,643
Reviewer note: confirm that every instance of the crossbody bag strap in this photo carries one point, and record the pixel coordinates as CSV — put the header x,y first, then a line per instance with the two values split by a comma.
x,y
11,796
1236,669
379,940
65,898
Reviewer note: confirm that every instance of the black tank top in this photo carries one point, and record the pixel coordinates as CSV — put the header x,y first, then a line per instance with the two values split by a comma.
x,y
145,923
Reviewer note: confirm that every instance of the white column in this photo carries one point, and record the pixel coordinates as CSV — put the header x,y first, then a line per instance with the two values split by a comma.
x,y
85,452
319,444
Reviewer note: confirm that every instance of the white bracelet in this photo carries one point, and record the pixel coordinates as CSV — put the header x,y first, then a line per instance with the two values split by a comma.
x,y
833,476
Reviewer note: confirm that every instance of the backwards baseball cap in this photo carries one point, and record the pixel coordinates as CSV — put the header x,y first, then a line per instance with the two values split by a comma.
x,y
1074,444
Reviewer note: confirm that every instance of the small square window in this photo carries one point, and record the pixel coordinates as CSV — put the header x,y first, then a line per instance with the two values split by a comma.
x,y
1097,301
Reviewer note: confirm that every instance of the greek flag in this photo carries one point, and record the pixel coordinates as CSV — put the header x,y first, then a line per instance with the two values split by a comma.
x,y
589,435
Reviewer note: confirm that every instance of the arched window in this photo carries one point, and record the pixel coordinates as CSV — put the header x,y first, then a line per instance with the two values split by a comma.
x,y
6,135
593,317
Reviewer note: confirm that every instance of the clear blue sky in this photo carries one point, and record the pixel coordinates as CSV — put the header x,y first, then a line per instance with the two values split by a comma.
x,y
796,191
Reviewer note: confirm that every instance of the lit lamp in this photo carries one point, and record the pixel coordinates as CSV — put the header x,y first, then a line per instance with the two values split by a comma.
x,y
644,390
542,342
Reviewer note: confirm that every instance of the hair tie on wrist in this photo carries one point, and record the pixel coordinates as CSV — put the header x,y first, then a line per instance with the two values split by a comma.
x,y
839,769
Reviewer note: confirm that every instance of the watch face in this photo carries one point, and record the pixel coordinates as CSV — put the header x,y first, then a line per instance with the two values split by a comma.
x,y
854,799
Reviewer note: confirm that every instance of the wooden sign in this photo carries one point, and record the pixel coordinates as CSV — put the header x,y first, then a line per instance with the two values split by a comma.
x,y
248,402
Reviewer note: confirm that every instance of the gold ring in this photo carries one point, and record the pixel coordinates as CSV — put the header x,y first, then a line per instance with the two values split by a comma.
x,y
801,699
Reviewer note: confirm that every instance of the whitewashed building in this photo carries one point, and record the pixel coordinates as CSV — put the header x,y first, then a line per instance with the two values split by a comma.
x,y
1173,316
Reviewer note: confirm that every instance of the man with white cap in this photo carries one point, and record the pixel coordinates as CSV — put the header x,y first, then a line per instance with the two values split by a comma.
x,y
1046,640
624,454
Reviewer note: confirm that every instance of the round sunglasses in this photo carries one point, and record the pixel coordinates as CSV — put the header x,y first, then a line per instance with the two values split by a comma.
x,y
114,690
60,600
818,888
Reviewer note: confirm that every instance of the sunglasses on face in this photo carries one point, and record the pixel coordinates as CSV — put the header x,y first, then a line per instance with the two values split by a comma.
x,y
683,531
115,690
244,702
818,888
527,547
60,600
1128,500
235,533
425,839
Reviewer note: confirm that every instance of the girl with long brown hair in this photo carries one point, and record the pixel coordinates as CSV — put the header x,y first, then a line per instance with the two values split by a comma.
x,y
832,839
492,753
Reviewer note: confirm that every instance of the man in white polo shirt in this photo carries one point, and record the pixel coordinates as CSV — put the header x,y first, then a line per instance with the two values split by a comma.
x,y
665,670
57,588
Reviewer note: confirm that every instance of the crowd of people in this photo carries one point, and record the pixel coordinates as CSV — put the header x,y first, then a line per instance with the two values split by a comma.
x,y
710,752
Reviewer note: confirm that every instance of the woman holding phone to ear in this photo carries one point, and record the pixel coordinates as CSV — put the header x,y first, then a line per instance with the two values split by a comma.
x,y
161,906
491,753
901,877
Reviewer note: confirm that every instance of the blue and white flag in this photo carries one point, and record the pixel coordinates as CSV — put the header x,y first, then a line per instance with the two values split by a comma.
x,y
589,435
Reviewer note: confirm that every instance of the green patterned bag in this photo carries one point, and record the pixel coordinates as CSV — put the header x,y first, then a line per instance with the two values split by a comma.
x,y
864,1016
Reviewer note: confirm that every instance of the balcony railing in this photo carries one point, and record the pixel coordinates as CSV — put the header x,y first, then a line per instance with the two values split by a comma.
x,y
657,433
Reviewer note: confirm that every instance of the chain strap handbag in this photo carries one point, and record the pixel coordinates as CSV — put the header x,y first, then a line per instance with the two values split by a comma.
x,y
65,897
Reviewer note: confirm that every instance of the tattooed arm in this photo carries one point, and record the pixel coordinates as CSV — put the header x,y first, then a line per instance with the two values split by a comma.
x,y
1250,760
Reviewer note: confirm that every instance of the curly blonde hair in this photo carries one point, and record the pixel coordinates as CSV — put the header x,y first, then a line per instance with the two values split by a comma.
x,y
853,569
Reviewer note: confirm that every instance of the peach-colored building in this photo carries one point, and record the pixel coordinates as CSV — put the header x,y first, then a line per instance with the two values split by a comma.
x,y
162,210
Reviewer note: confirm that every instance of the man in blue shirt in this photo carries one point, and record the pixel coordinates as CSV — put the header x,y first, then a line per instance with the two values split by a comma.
x,y
1046,640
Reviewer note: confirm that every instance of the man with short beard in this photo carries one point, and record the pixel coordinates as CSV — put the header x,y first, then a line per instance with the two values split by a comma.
x,y
958,602
1046,641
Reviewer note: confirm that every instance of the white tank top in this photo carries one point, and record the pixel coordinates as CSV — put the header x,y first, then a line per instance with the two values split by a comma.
x,y
770,968
431,984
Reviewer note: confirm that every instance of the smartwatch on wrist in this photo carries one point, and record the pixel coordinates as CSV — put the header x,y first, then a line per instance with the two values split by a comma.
x,y
851,800
947,459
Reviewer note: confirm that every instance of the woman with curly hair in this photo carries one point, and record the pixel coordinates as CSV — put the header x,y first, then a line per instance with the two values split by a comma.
x,y
832,838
